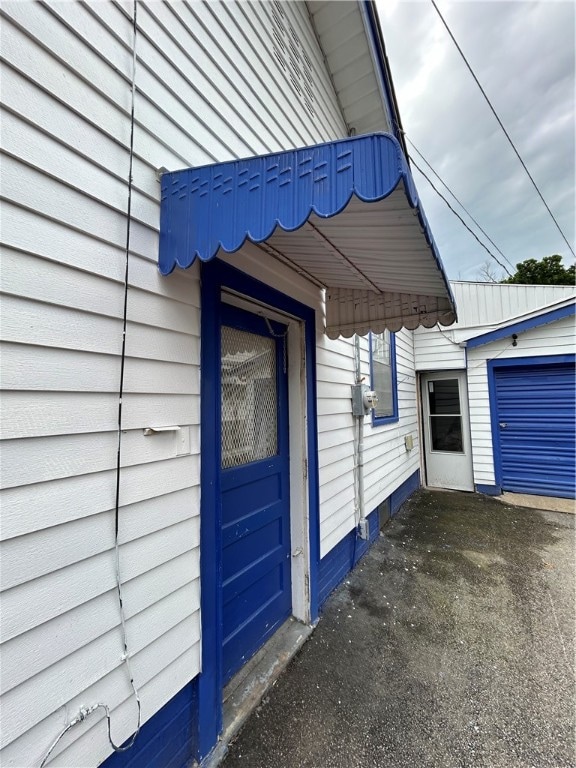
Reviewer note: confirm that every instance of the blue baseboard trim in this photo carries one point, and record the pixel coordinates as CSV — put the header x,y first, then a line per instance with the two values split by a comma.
x,y
404,491
335,566
339,561
489,490
169,739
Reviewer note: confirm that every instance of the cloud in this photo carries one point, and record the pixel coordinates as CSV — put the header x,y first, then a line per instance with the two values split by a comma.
x,y
523,54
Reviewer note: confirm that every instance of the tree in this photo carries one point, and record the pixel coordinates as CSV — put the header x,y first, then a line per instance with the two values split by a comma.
x,y
488,273
548,271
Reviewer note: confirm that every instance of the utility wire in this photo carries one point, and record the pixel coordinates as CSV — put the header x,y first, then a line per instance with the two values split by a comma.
x,y
502,126
488,251
486,235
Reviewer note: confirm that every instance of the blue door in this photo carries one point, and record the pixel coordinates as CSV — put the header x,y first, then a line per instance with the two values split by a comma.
x,y
535,428
254,483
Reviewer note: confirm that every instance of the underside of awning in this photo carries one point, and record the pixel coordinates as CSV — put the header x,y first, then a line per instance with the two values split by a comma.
x,y
345,213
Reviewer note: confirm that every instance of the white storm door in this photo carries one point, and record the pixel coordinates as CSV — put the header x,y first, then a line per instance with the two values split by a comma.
x,y
447,444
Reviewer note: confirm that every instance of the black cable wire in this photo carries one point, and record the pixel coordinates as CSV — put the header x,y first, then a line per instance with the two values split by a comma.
x,y
132,739
502,127
486,235
488,251
85,712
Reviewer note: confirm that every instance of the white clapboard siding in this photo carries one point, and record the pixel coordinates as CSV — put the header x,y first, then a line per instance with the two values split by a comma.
x,y
52,283
63,327
86,665
25,558
24,655
41,505
63,456
387,463
54,593
179,643
34,60
26,231
61,369
437,349
156,689
208,88
335,376
552,339
56,413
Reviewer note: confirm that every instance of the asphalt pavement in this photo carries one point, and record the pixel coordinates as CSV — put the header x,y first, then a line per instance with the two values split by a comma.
x,y
450,645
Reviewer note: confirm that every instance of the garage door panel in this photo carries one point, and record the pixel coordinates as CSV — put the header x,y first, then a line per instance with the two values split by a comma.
x,y
535,427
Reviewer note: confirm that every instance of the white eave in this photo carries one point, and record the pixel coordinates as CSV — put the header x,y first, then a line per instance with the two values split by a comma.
x,y
344,36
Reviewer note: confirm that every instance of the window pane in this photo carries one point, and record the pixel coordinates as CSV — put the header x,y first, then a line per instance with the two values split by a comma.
x,y
249,410
446,433
382,379
382,385
443,396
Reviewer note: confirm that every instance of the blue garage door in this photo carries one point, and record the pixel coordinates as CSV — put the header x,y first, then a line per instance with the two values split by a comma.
x,y
254,481
536,428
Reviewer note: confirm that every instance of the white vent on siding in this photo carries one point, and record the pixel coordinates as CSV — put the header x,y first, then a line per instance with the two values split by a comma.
x,y
293,50
278,40
280,59
295,84
278,15
293,59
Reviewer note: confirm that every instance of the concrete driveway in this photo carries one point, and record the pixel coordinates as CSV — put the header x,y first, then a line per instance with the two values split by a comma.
x,y
451,644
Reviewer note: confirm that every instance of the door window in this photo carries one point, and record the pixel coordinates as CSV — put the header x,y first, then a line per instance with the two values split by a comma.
x,y
249,397
445,417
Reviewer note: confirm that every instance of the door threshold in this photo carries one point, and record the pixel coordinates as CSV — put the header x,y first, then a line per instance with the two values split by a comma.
x,y
249,686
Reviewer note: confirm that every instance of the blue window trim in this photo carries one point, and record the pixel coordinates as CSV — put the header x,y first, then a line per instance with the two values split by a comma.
x,y
522,326
215,275
378,421
511,362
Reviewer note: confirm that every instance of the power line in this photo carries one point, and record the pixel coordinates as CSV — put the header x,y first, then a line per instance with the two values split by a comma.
x,y
488,251
502,127
486,235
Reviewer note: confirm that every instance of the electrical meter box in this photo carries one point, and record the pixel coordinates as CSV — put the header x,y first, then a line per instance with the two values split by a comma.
x,y
363,399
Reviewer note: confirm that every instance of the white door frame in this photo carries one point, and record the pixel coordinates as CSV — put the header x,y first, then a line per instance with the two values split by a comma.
x,y
299,528
461,476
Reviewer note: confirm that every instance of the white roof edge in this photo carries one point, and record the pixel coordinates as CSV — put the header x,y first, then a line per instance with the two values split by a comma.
x,y
509,285
516,318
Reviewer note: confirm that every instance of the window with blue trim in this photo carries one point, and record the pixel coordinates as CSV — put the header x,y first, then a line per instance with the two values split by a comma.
x,y
383,376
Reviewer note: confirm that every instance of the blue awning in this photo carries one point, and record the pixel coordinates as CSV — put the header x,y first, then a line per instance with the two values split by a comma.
x,y
345,213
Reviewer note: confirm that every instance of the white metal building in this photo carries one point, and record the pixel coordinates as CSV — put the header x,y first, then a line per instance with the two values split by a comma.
x,y
498,391
138,408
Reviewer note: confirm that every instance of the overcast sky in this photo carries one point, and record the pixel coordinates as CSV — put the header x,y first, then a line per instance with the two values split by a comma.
x,y
523,54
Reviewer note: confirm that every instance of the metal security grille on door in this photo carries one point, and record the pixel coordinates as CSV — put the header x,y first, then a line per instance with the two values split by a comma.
x,y
249,398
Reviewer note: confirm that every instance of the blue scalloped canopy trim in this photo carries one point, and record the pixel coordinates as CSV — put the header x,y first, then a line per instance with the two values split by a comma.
x,y
221,205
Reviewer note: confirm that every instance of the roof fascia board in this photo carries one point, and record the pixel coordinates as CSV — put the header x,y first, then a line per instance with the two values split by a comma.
x,y
522,326
382,68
